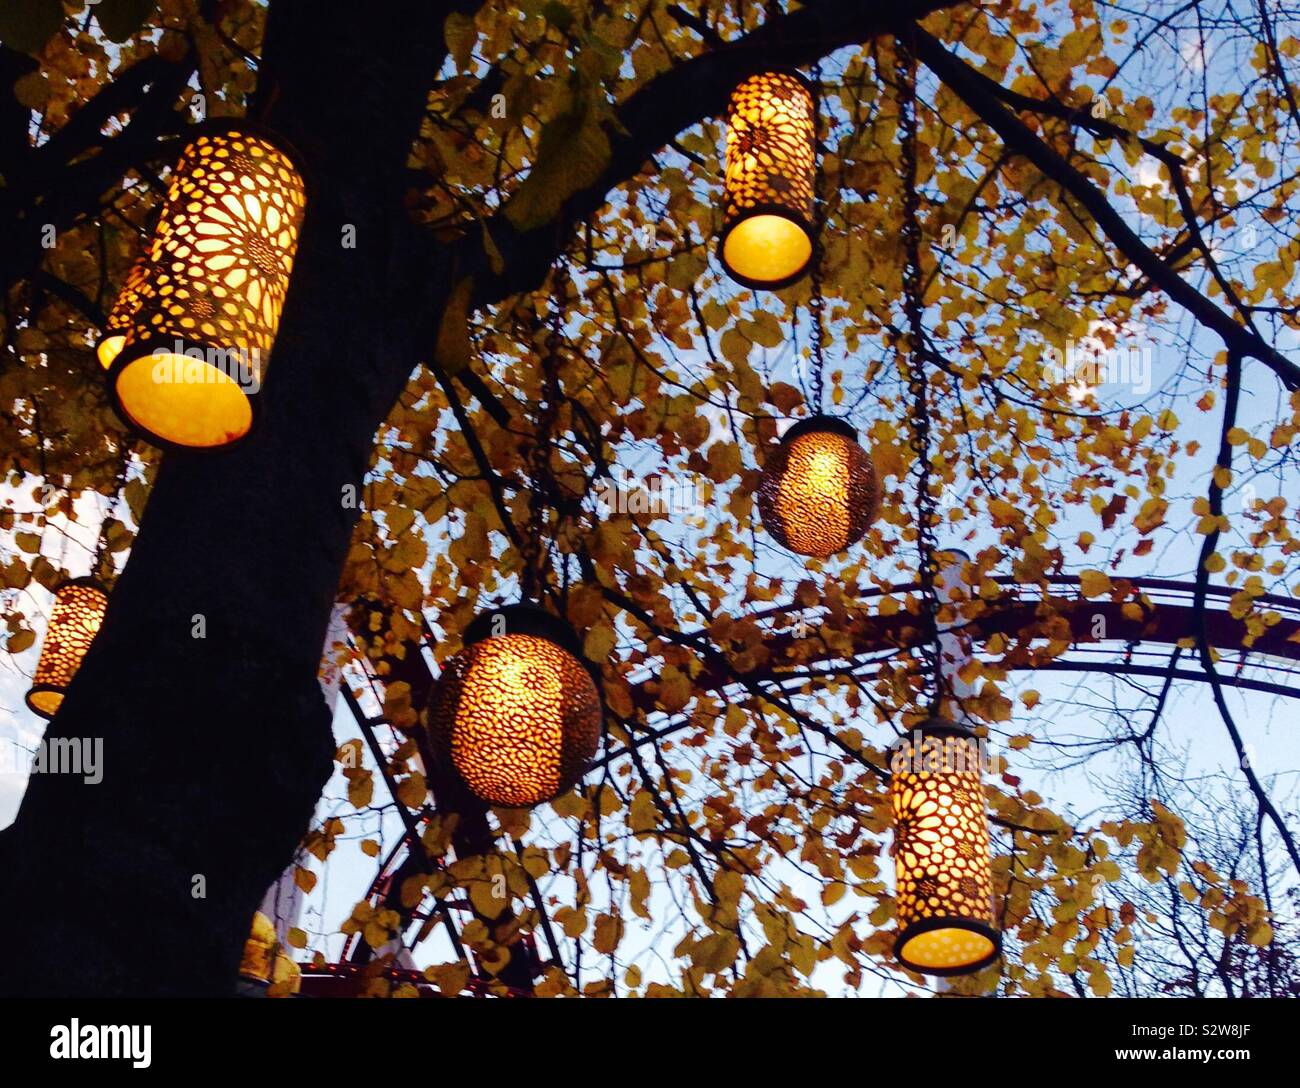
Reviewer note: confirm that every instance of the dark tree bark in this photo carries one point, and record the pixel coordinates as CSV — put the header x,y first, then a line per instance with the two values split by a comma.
x,y
216,748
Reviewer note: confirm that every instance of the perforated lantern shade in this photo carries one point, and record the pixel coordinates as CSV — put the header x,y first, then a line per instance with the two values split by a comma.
x,y
818,493
123,312
75,618
767,225
516,716
200,319
943,891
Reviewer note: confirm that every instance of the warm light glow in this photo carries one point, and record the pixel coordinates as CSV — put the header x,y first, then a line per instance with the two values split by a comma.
x,y
767,248
109,348
943,891
212,288
768,189
75,618
212,411
124,309
518,716
818,494
945,949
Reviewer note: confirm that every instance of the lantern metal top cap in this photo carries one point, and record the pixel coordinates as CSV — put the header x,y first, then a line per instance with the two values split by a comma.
x,y
935,726
783,70
84,580
248,126
821,424
524,619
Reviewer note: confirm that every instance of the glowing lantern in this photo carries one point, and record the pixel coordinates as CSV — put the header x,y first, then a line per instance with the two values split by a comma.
x,y
198,322
943,890
119,318
767,231
818,494
516,714
265,959
78,611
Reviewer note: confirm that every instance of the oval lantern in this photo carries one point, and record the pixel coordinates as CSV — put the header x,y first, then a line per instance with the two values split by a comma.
x,y
818,494
78,611
767,222
199,320
943,889
516,715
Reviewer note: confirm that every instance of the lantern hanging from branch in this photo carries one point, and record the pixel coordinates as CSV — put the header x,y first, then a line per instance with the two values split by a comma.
x,y
767,224
119,318
943,889
818,493
198,322
77,613
516,715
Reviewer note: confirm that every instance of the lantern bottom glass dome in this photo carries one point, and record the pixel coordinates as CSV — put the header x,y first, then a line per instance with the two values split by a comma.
x,y
949,949
45,702
109,349
178,400
766,249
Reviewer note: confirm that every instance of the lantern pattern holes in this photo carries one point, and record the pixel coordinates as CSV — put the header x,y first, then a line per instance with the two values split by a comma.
x,y
198,318
122,313
943,889
818,494
75,618
767,224
516,716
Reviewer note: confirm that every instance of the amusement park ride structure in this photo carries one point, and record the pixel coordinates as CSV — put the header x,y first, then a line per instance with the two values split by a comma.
x,y
1108,636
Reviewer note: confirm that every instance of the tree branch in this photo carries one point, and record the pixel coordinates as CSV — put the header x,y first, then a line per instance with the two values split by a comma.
x,y
667,105
980,95
1224,460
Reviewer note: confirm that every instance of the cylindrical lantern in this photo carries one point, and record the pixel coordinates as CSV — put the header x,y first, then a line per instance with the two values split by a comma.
x,y
198,331
767,223
818,494
123,312
516,715
78,611
943,891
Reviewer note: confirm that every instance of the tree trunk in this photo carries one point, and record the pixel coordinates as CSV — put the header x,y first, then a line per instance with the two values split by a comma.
x,y
216,747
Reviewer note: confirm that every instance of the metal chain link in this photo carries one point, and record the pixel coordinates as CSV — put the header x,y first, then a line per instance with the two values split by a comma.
x,y
817,303
917,380
534,580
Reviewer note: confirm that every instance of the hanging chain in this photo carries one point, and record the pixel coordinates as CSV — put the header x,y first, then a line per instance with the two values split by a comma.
x,y
917,381
534,579
817,303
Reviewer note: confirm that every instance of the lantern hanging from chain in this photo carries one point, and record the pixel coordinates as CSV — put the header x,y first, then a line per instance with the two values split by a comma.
x,y
190,337
767,223
516,715
942,887
78,611
818,494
